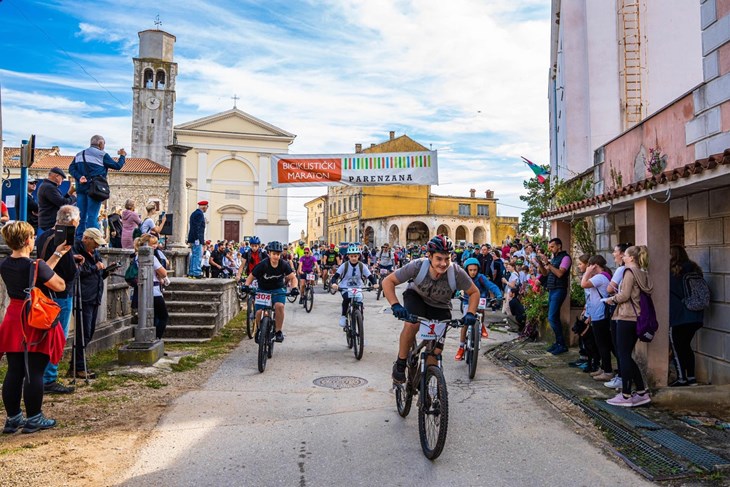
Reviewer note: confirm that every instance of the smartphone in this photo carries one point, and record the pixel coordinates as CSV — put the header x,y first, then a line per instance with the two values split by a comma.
x,y
64,234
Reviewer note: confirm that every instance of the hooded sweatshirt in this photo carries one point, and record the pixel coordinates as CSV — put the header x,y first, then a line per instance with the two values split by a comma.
x,y
634,281
130,221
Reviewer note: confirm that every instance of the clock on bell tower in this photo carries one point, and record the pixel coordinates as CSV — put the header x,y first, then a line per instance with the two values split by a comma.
x,y
153,96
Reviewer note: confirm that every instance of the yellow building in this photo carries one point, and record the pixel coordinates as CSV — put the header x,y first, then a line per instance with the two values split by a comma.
x,y
401,215
316,221
230,167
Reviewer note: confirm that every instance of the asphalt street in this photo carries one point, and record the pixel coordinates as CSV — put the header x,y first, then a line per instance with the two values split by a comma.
x,y
279,428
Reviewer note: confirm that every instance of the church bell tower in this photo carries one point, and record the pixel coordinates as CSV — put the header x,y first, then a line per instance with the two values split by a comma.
x,y
153,96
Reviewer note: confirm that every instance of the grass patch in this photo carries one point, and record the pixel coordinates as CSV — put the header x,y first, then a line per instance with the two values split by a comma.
x,y
16,449
187,363
155,384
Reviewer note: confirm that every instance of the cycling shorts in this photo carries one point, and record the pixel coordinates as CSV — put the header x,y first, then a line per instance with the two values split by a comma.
x,y
303,275
413,302
278,297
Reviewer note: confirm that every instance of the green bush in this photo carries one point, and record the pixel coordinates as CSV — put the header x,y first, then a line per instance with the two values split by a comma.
x,y
536,305
577,295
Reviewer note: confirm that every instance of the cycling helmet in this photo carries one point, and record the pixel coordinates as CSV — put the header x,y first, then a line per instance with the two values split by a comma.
x,y
471,261
352,249
274,246
254,241
332,246
440,244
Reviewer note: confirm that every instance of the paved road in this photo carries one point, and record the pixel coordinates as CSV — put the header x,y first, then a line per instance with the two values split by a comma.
x,y
277,428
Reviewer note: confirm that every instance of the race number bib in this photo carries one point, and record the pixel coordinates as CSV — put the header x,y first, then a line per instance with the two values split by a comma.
x,y
311,277
482,303
263,299
354,293
431,330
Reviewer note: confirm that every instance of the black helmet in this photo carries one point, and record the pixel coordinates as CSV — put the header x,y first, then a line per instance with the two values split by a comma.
x,y
440,244
274,246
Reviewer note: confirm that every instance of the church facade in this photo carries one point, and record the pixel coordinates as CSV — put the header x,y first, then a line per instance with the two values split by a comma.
x,y
229,166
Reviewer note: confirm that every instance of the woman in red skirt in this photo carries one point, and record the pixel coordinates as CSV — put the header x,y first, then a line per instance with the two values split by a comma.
x,y
43,346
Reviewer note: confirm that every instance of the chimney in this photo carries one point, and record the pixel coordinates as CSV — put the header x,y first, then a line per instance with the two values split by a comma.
x,y
358,148
473,192
392,134
490,194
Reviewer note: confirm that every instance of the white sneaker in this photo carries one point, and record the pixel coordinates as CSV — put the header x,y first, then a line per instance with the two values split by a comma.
x,y
343,321
614,383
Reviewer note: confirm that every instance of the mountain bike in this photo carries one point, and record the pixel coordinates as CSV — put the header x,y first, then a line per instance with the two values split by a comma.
x,y
473,336
354,328
265,336
247,300
426,379
308,296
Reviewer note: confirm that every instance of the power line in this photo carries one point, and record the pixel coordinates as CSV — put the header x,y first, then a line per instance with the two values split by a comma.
x,y
68,55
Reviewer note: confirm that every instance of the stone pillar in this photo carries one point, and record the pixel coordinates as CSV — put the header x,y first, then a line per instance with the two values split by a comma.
x,y
145,349
651,220
178,205
562,230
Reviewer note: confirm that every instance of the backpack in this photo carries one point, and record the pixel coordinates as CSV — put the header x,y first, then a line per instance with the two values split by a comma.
x,y
132,272
347,268
696,291
423,271
646,323
137,232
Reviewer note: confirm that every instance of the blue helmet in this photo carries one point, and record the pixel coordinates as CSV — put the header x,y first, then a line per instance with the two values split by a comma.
x,y
471,261
274,246
254,241
352,249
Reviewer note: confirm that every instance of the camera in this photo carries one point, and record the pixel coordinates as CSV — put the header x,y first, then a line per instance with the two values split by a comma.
x,y
64,234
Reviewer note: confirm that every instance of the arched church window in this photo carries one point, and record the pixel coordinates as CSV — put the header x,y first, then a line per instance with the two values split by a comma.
x,y
160,80
148,81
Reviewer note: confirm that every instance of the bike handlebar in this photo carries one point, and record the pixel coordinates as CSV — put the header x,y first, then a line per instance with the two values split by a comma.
x,y
454,322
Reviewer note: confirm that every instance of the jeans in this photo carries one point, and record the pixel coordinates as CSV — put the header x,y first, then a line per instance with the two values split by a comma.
x,y
89,313
625,342
196,255
89,210
555,301
66,304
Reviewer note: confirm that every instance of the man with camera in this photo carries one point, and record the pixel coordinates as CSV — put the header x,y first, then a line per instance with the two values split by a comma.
x,y
67,219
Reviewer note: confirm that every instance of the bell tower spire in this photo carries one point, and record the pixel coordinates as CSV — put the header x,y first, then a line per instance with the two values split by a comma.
x,y
153,96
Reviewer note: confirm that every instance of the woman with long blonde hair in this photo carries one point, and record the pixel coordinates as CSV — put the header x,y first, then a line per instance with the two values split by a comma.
x,y
635,280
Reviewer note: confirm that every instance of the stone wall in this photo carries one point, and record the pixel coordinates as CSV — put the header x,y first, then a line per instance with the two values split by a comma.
x,y
139,187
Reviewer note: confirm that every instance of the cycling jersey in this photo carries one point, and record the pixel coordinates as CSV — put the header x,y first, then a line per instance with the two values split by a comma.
x,y
308,262
435,293
330,257
271,278
253,259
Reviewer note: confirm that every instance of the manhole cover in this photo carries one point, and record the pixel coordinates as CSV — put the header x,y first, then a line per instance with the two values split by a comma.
x,y
340,382
534,352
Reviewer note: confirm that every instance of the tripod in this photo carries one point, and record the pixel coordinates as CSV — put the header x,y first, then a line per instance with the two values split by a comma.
x,y
79,329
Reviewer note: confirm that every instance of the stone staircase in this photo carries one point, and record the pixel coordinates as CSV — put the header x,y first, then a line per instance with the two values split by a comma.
x,y
198,308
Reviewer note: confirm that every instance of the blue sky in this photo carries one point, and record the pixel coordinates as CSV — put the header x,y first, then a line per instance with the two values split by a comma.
x,y
466,77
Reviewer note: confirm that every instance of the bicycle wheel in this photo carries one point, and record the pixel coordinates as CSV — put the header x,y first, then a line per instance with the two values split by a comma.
x,y
348,329
250,318
404,394
433,413
356,325
308,299
272,338
326,282
476,333
264,340
291,298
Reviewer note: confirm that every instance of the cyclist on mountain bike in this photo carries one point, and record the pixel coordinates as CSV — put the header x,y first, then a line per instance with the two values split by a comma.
x,y
330,259
251,258
486,287
428,295
307,265
353,274
274,274
385,258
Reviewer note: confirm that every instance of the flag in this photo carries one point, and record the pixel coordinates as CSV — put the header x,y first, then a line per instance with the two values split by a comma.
x,y
539,172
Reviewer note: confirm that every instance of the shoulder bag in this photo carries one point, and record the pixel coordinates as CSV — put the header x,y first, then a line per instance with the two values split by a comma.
x,y
98,185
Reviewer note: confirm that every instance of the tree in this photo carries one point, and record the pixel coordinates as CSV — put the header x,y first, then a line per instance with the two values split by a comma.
x,y
538,201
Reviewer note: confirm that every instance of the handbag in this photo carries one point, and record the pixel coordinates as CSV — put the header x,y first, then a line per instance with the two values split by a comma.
x,y
98,185
39,311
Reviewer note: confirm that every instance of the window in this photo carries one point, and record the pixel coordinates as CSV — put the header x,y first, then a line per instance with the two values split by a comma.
x,y
339,207
483,210
232,194
464,209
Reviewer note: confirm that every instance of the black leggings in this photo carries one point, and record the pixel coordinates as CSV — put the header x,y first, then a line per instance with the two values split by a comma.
x,y
13,388
615,348
680,339
161,316
625,342
602,334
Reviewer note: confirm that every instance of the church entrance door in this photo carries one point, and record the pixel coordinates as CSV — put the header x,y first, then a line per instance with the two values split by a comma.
x,y
231,230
